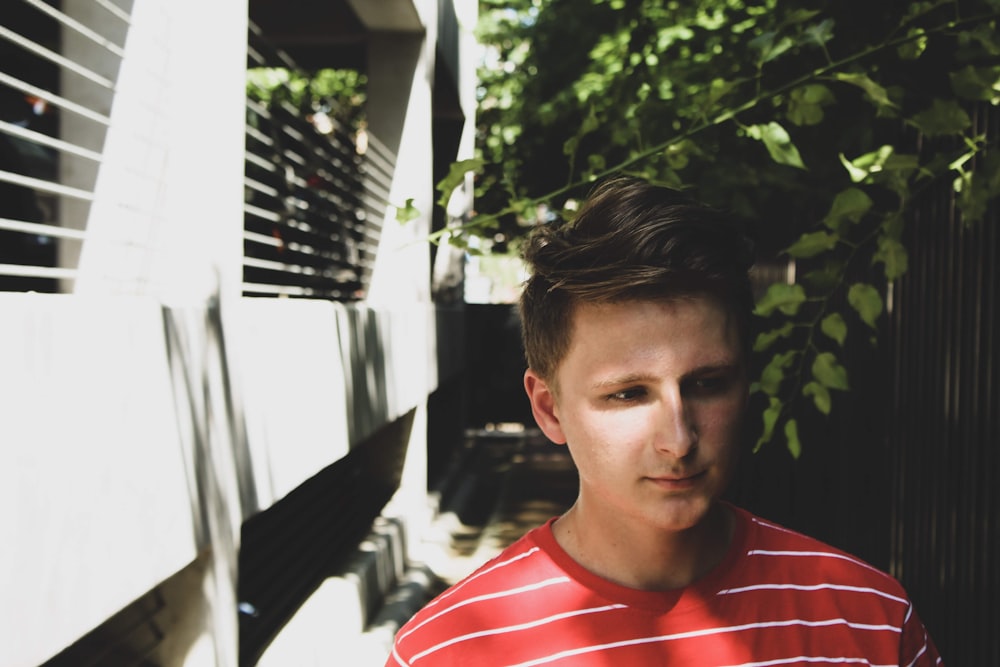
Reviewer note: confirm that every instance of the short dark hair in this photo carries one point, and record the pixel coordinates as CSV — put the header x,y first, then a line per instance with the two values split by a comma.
x,y
630,240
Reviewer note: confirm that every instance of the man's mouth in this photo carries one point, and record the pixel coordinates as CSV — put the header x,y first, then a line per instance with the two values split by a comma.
x,y
679,481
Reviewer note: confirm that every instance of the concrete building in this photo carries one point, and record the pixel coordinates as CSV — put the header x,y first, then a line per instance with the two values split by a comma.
x,y
195,470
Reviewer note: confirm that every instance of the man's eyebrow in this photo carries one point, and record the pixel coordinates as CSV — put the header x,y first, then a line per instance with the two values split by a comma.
x,y
621,380
721,367
724,367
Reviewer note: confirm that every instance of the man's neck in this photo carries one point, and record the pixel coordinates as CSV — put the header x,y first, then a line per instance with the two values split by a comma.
x,y
639,558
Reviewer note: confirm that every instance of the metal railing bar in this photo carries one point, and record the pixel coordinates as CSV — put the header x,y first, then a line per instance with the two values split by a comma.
x,y
259,109
45,186
115,10
294,157
32,271
260,136
75,25
278,266
285,290
261,212
54,99
46,140
260,162
381,149
52,56
255,56
42,229
263,239
257,186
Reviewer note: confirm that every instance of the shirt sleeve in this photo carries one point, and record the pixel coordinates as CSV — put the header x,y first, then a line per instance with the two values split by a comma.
x,y
916,648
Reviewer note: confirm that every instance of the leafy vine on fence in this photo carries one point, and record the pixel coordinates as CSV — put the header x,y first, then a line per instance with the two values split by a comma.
x,y
823,125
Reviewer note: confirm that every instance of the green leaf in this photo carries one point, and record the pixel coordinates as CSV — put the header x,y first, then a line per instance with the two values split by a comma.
x,y
828,371
820,395
792,436
770,418
407,212
849,206
779,145
773,374
875,92
891,253
824,278
914,48
811,244
834,326
857,175
977,83
943,117
765,339
866,300
455,177
783,297
977,188
805,104
678,154
768,48
821,32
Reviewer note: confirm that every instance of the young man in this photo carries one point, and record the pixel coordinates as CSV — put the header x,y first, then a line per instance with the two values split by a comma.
x,y
636,329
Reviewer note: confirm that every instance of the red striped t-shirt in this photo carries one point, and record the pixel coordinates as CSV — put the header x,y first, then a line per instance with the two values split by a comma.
x,y
779,598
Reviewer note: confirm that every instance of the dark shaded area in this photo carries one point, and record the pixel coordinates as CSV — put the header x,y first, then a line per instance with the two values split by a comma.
x,y
290,548
495,363
943,422
313,34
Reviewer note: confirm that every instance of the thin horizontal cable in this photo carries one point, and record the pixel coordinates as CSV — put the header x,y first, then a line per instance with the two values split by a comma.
x,y
54,99
41,229
78,27
52,56
29,271
45,186
46,140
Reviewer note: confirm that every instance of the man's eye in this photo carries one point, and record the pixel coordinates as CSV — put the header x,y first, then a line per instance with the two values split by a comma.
x,y
627,395
708,385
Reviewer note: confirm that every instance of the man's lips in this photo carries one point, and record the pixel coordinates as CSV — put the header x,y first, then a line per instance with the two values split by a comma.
x,y
679,480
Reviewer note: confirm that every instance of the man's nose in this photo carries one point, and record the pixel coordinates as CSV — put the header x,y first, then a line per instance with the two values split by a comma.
x,y
676,433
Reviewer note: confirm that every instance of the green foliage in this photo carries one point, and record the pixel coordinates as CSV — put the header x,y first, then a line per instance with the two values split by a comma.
x,y
339,93
822,122
407,212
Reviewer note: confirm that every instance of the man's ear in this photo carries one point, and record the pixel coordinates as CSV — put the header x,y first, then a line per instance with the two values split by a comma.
x,y
543,406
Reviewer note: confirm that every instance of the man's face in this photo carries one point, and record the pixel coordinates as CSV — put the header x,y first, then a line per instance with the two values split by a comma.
x,y
649,399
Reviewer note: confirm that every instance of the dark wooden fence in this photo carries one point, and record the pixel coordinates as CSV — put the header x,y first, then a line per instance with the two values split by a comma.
x,y
944,426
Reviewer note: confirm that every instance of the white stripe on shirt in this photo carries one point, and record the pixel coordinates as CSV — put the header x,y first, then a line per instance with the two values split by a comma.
x,y
462,584
489,596
701,633
519,626
810,658
817,587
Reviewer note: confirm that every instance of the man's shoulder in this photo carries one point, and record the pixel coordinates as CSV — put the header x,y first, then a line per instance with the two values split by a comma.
x,y
785,554
511,578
